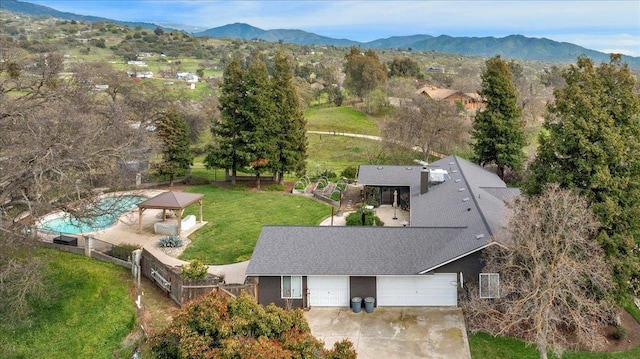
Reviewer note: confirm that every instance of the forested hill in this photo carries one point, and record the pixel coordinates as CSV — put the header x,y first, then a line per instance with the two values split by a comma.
x,y
513,46
22,7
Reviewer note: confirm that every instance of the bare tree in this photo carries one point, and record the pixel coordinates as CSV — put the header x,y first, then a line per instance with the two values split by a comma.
x,y
428,125
553,279
60,138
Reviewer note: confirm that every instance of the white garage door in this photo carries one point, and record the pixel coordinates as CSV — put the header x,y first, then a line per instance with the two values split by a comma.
x,y
328,291
424,290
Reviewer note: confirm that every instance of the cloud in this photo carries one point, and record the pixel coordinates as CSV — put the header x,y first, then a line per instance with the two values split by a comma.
x,y
626,44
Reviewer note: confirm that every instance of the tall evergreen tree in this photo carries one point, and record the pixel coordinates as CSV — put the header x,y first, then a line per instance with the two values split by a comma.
x,y
228,147
592,144
259,113
290,124
498,130
176,152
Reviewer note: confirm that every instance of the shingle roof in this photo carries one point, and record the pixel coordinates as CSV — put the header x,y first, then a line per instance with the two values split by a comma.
x,y
409,176
349,250
171,200
452,219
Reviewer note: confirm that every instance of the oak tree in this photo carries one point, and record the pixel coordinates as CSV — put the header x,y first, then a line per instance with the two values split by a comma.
x,y
427,125
403,67
59,140
548,282
364,72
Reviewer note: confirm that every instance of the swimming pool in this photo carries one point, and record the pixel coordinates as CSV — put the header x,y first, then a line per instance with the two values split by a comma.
x,y
109,209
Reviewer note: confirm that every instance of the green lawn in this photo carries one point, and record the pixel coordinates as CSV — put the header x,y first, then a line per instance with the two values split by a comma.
x,y
236,219
340,119
85,314
485,346
335,153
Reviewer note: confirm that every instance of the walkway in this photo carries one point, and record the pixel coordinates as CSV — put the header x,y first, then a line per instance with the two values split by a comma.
x,y
386,213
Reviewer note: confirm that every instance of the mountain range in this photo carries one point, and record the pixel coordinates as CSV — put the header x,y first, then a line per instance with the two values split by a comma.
x,y
513,46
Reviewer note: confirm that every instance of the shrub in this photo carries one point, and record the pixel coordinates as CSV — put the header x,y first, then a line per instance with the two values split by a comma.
x,y
620,333
350,172
171,241
355,218
194,270
328,174
215,325
196,180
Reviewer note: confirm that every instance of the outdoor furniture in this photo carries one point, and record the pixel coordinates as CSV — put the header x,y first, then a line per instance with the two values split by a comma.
x,y
172,228
166,229
66,240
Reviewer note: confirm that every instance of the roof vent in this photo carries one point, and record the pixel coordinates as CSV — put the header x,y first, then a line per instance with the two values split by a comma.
x,y
452,163
454,171
379,167
409,168
460,189
458,180
466,199
480,236
438,175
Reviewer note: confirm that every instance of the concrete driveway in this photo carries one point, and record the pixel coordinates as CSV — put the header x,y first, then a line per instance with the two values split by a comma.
x,y
412,332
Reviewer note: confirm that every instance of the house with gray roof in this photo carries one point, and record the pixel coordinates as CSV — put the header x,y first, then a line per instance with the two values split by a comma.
x,y
427,263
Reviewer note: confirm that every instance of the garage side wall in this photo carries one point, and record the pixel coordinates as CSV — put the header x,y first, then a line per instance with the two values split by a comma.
x,y
362,287
269,292
470,266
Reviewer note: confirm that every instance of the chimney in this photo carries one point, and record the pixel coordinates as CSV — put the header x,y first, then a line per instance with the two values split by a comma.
x,y
424,180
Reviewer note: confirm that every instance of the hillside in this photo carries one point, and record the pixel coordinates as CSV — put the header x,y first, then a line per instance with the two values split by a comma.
x,y
22,7
511,47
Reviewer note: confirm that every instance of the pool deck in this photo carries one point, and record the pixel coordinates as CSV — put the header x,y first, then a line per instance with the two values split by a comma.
x,y
125,231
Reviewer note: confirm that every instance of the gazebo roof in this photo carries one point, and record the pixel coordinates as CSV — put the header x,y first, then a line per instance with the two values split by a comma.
x,y
171,200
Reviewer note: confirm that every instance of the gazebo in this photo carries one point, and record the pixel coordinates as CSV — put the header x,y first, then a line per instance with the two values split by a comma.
x,y
176,201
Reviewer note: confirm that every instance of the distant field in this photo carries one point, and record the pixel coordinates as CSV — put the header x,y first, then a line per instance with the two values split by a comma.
x,y
335,153
340,119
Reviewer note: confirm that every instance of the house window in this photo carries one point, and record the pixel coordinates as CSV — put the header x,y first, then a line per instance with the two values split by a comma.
x,y
291,287
489,285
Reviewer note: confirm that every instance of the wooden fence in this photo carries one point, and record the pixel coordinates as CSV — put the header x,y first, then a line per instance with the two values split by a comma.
x,y
182,290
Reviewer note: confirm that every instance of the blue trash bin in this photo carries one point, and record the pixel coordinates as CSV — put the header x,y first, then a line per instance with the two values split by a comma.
x,y
356,304
368,304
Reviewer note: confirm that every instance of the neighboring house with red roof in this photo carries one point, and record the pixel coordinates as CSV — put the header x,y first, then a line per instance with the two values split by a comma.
x,y
470,101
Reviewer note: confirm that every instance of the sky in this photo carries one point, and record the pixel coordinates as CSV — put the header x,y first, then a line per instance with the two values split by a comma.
x,y
607,26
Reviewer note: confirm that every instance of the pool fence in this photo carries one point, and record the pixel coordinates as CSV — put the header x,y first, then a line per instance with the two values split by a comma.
x,y
166,277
